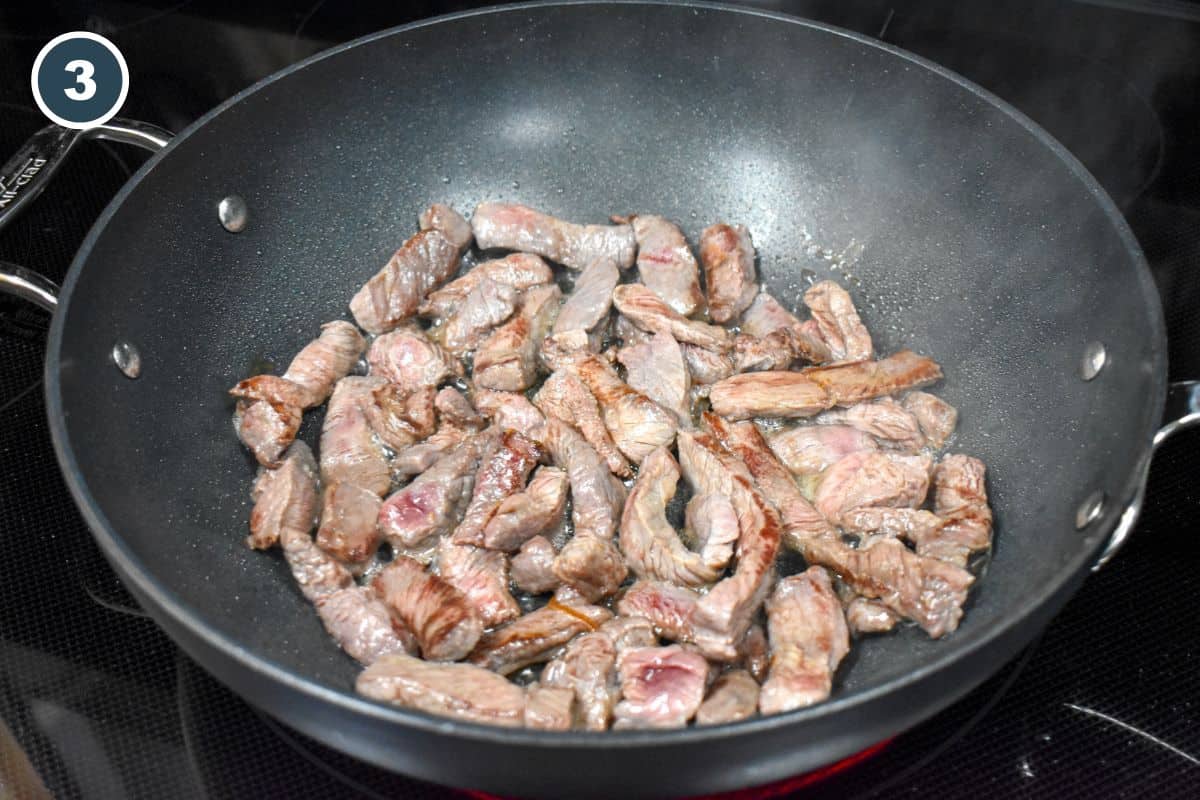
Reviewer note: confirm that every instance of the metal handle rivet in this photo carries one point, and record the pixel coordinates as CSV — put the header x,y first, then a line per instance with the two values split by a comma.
x,y
1094,359
1090,509
127,358
233,213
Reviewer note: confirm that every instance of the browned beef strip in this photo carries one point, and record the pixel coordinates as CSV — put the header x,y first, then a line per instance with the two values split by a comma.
x,y
443,218
507,360
960,500
549,708
915,525
936,417
869,480
706,366
350,452
596,496
348,524
656,368
537,636
668,607
326,360
775,351
408,359
869,616
518,270
666,264
848,384
733,697
433,504
588,668
649,312
808,635
564,396
727,255
447,627
766,316
284,498
591,566
400,417
589,301
515,227
711,525
662,687
511,411
769,394
393,294
885,419
417,458
839,322
482,578
461,691
317,573
267,428
453,408
502,473
536,511
809,449
532,568
488,304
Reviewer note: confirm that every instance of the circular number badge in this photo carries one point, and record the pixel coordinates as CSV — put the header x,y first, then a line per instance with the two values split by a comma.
x,y
80,80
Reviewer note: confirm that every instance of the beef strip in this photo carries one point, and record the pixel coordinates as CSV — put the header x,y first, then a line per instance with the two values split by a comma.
x,y
662,687
848,384
325,360
511,411
808,450
487,305
348,524
564,396
706,366
665,263
433,504
507,360
915,525
669,608
596,496
766,316
518,270
626,331
501,474
649,312
591,298
651,545
769,394
754,652
936,417
808,635
627,632
350,452
885,419
869,616
446,625
537,636
317,573
393,294
549,708
417,458
399,417
534,512
727,255
532,568
482,578
515,227
269,412
711,525
775,351
656,368
591,566
587,667
733,697
284,498
453,408
960,500
443,218
461,691
838,322
408,359
864,480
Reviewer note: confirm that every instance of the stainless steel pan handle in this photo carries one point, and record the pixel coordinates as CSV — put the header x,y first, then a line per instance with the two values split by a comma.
x,y
26,174
1182,411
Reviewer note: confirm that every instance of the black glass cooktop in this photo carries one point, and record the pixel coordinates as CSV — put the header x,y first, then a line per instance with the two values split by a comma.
x,y
96,702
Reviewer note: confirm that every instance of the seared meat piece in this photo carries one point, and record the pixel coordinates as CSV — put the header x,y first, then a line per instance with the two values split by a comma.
x,y
532,568
267,428
885,419
669,608
325,360
393,294
848,384
728,258
453,408
501,474
808,635
549,708
434,502
317,573
508,359
863,480
482,578
511,411
445,624
706,366
443,218
733,697
626,331
461,691
766,316
409,360
487,305
628,632
399,417
350,453
518,270
769,394
808,450
755,652
666,264
838,322
537,636
284,498
515,227
651,545
656,368
711,525
537,510
636,423
564,396
775,351
662,687
417,458
348,524
936,417
596,496
723,615
591,298
925,590
588,668
912,524
649,312
591,566
960,500
869,616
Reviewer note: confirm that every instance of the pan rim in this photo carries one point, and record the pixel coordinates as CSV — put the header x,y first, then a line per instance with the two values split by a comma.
x,y
169,605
